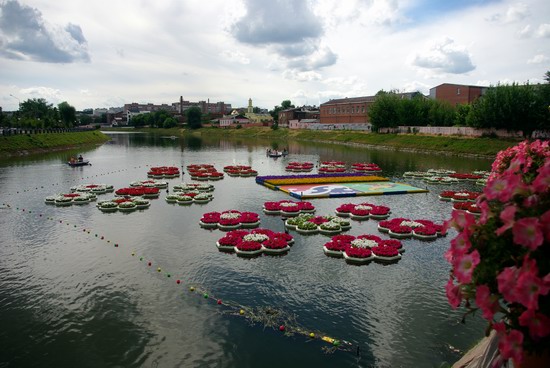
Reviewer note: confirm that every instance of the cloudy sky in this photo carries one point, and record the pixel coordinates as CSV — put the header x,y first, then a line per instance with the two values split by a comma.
x,y
106,53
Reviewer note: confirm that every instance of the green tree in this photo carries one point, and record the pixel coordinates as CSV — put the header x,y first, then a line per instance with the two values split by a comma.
x,y
547,76
286,104
384,112
85,119
67,114
193,116
169,123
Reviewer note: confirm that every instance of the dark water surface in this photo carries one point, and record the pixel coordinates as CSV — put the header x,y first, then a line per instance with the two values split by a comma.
x,y
71,299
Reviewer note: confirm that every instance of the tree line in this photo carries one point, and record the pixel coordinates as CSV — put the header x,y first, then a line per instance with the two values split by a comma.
x,y
512,107
38,113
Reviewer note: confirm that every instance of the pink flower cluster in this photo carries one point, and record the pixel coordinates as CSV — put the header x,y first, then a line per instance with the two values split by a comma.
x,y
404,227
239,170
204,172
295,166
288,207
363,246
500,259
255,239
365,210
230,218
138,191
460,195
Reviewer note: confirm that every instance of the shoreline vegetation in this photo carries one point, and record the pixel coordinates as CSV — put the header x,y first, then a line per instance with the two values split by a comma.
x,y
26,144
453,145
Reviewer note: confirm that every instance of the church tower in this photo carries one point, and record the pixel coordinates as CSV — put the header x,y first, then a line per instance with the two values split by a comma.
x,y
250,108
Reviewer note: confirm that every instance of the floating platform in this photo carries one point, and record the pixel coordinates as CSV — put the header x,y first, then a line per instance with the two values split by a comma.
x,y
335,185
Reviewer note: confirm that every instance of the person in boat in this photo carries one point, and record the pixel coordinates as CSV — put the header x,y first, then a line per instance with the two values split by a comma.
x,y
285,152
80,158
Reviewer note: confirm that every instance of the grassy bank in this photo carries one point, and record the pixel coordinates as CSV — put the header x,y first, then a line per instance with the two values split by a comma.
x,y
452,144
33,143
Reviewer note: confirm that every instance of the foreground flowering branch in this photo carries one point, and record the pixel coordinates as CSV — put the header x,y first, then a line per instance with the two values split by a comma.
x,y
501,259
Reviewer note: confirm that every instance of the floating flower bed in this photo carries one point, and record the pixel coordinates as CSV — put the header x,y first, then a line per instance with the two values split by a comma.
x,y
147,192
363,211
363,248
149,183
163,172
464,177
416,174
127,204
299,166
240,170
440,172
459,196
93,188
204,172
402,228
288,208
469,207
187,187
189,197
365,167
308,224
229,220
440,180
67,199
255,242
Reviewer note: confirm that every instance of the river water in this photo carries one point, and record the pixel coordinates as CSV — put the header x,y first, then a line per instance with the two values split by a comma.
x,y
76,288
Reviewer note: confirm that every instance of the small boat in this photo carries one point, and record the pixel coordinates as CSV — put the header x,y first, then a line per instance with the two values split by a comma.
x,y
79,163
275,153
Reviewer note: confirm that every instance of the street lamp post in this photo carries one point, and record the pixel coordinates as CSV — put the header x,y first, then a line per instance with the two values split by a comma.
x,y
18,100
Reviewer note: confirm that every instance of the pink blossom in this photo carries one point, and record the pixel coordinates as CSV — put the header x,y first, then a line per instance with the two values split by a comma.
x,y
527,232
510,345
464,266
542,181
461,243
507,216
502,187
454,295
538,323
486,212
506,283
460,220
529,286
487,302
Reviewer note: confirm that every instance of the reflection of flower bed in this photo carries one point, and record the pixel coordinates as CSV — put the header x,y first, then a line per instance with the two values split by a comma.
x,y
163,172
147,192
229,220
402,228
204,172
295,166
363,248
363,211
288,208
253,243
317,179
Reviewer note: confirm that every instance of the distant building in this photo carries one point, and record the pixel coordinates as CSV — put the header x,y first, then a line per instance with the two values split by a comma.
x,y
457,94
257,118
298,114
206,107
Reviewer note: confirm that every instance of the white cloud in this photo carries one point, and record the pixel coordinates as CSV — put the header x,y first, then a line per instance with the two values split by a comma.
x,y
538,59
235,56
52,95
544,30
514,13
525,32
444,56
301,76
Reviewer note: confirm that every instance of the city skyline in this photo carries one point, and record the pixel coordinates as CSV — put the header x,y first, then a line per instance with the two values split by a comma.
x,y
105,54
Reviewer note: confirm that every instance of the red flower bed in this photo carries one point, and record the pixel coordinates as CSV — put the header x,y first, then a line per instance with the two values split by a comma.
x,y
137,191
380,211
461,206
210,217
425,230
249,217
267,232
229,241
360,212
248,246
343,238
345,208
284,236
392,243
384,251
338,246
460,176
272,206
229,221
275,243
398,229
318,220
306,206
358,252
370,237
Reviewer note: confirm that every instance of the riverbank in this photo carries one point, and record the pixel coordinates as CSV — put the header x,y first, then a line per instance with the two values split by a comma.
x,y
24,144
455,145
